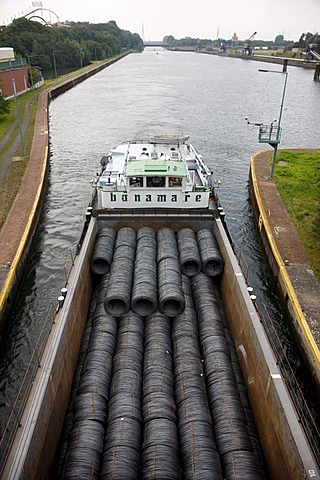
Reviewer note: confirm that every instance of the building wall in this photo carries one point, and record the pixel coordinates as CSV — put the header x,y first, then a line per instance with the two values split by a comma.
x,y
20,78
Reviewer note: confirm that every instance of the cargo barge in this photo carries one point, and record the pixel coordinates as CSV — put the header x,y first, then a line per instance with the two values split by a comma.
x,y
155,205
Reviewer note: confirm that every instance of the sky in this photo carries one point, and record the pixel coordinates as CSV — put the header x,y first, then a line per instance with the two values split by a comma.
x,y
153,19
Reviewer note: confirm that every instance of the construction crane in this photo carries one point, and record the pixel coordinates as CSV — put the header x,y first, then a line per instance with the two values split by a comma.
x,y
311,52
247,47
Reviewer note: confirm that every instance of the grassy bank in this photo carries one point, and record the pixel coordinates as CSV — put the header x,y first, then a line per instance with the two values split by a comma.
x,y
297,176
27,105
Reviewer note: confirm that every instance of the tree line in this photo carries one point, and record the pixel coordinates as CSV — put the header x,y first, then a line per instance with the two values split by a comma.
x,y
187,42
72,46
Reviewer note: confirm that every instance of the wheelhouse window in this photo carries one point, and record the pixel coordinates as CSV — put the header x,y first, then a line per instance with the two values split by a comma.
x,y
175,181
156,182
136,182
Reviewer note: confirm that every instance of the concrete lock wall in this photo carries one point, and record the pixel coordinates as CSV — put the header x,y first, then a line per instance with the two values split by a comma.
x,y
300,328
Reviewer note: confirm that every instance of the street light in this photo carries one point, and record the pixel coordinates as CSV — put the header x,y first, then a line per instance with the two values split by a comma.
x,y
272,133
55,63
29,62
80,58
24,152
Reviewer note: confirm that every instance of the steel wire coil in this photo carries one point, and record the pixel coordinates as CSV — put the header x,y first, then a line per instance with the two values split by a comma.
x,y
144,299
191,344
99,357
131,322
186,365
87,434
231,434
68,422
194,407
125,404
198,451
171,300
218,364
102,289
125,236
195,436
105,324
160,431
160,462
126,380
158,379
169,266
212,262
123,432
81,463
120,463
95,379
167,244
101,341
241,464
186,325
118,297
213,344
187,292
188,252
157,356
90,406
123,252
103,251
129,340
192,387
168,277
146,232
202,466
157,405
118,294
158,340
130,358
186,285
157,323
170,295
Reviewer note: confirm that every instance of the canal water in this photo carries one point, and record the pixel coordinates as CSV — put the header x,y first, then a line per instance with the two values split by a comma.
x,y
156,92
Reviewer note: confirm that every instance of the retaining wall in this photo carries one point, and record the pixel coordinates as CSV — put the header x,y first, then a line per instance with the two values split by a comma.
x,y
300,327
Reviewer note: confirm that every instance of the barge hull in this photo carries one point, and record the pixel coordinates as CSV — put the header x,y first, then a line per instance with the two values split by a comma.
x,y
284,444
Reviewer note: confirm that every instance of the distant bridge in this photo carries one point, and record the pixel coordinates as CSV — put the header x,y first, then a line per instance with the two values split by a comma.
x,y
155,43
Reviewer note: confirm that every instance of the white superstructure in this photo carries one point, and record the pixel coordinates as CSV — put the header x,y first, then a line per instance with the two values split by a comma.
x,y
162,172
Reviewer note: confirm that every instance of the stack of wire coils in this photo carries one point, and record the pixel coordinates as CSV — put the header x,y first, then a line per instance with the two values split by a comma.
x,y
159,393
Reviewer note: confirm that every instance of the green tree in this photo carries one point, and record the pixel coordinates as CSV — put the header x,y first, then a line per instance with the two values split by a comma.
x,y
279,40
4,104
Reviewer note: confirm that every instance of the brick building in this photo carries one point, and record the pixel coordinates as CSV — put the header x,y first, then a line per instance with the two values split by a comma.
x,y
14,75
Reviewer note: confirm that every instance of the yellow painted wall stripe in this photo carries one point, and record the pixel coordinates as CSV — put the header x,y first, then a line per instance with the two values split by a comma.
x,y
282,270
7,286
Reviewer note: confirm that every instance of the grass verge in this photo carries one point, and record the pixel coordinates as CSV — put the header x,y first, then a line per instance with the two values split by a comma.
x,y
297,176
27,104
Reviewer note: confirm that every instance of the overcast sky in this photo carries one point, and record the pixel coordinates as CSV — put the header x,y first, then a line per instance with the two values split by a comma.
x,y
182,18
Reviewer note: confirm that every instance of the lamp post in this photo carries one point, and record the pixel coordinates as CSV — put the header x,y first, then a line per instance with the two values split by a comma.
x,y
274,130
55,63
80,58
23,147
29,62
